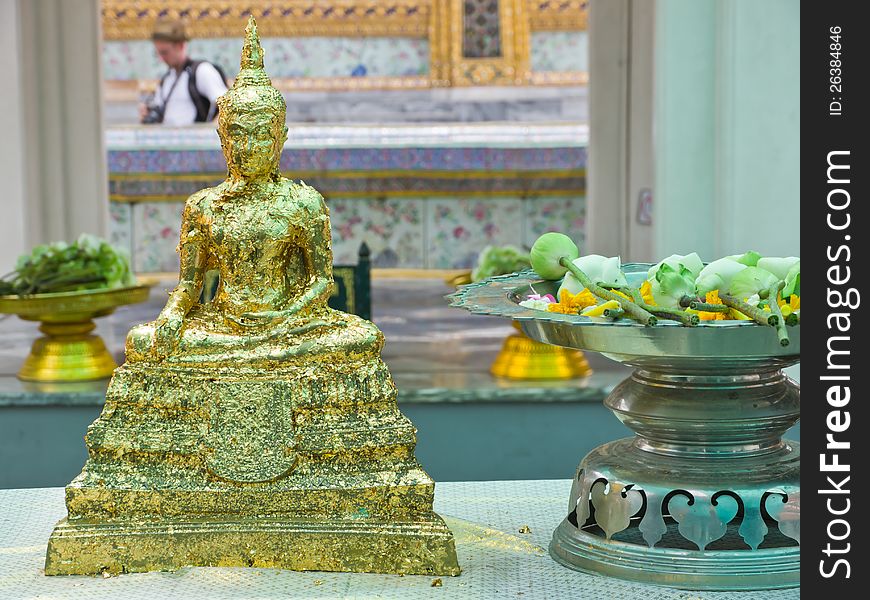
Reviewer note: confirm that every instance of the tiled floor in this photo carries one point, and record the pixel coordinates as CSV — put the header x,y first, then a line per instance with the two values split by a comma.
x,y
497,561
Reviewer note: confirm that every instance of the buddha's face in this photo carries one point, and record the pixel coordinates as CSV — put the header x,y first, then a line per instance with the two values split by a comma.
x,y
252,143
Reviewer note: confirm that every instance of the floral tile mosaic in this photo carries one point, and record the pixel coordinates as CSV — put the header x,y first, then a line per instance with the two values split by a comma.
x,y
458,229
410,233
392,228
134,59
559,51
285,57
347,57
156,227
563,214
369,159
121,227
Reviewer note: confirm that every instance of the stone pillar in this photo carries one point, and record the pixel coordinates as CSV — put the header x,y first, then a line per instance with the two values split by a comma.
x,y
727,127
57,187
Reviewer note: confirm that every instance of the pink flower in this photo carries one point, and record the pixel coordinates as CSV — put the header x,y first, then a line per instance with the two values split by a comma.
x,y
545,298
459,232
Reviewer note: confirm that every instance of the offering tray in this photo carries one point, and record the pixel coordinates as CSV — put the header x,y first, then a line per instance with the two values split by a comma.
x,y
69,350
706,495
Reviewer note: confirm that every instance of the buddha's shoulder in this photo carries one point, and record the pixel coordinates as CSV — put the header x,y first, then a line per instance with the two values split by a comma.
x,y
200,198
302,194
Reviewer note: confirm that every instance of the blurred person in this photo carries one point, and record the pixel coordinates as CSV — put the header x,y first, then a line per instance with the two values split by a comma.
x,y
188,91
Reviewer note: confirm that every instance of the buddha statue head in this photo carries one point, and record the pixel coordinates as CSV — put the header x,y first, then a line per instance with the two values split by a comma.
x,y
251,117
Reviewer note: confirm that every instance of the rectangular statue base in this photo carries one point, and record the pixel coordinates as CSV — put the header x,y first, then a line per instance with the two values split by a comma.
x,y
419,547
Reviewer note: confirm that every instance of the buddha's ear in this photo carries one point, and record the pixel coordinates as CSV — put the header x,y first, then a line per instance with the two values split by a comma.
x,y
284,134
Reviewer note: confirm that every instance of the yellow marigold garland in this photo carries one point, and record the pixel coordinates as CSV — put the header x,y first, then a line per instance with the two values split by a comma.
x,y
646,293
572,304
712,298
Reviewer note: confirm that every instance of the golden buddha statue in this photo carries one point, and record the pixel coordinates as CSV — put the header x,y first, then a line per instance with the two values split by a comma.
x,y
268,238
260,428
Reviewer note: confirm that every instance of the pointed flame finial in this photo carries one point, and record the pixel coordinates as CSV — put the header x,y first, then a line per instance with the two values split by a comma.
x,y
252,90
252,72
252,52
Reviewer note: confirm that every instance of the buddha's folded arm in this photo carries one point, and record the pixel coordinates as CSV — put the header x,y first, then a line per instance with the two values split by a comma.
x,y
317,251
190,278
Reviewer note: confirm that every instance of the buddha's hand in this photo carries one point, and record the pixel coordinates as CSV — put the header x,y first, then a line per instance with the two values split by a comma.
x,y
264,317
294,328
166,334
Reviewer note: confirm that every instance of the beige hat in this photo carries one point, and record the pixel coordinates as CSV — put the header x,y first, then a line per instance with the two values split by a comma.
x,y
169,31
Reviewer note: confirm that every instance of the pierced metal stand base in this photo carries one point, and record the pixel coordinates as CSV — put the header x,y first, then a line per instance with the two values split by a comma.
x,y
706,496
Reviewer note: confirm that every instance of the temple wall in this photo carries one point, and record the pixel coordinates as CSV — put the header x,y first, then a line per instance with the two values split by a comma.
x,y
325,57
353,45
420,197
411,233
559,52
314,56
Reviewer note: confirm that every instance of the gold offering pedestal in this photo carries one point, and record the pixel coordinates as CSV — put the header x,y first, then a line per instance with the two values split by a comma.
x,y
69,350
521,357
525,359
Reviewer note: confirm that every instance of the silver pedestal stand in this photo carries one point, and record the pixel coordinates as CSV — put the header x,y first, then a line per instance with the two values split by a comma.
x,y
706,495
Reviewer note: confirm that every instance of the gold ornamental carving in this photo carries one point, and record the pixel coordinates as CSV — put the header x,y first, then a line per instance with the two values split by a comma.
x,y
134,19
439,21
558,15
512,67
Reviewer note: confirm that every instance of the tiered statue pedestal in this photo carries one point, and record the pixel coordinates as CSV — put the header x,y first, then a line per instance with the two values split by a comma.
x,y
306,467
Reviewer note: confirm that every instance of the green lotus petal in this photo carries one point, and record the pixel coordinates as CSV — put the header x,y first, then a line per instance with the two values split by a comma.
x,y
750,259
778,265
692,262
600,269
793,281
717,275
669,285
751,280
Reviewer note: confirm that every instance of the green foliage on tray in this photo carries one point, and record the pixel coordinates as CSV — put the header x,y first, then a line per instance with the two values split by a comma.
x,y
498,260
88,263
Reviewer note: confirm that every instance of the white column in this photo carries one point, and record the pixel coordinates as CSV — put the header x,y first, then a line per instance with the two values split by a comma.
x,y
606,191
12,225
58,184
685,134
620,127
727,127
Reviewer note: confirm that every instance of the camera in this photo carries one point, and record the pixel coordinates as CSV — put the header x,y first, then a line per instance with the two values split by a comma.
x,y
154,111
